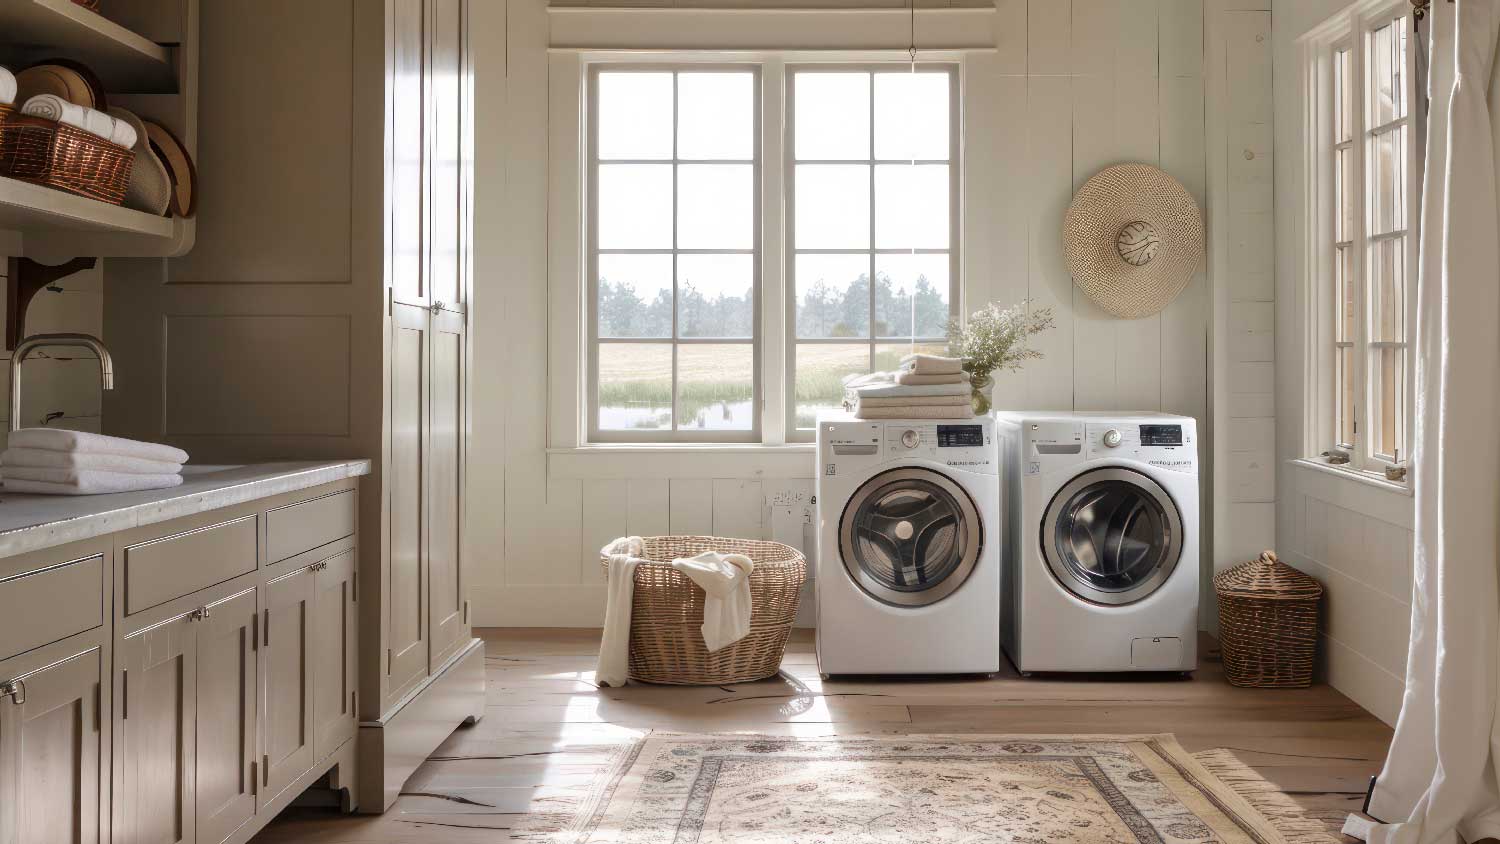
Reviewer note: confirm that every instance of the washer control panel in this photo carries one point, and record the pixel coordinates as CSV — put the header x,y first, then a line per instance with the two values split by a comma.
x,y
1166,446
961,445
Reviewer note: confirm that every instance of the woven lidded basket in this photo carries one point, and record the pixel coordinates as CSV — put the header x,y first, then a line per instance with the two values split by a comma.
x,y
45,152
1268,620
666,616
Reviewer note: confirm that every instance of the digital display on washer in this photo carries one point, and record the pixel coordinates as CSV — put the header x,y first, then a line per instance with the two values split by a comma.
x,y
1161,435
960,436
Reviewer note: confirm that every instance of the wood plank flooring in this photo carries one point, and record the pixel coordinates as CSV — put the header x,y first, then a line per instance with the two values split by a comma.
x,y
549,731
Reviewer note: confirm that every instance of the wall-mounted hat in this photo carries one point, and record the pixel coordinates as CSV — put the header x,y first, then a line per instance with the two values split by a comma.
x,y
1133,237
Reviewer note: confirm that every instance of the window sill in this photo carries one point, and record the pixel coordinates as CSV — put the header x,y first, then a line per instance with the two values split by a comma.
x,y
704,461
1376,480
678,448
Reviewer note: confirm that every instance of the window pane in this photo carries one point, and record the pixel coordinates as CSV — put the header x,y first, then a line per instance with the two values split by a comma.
x,y
911,206
911,115
821,369
911,295
716,115
1381,78
1398,68
716,296
1344,300
1388,291
1343,195
635,296
1387,180
715,384
833,295
635,115
1343,385
888,355
1343,128
832,115
833,206
1387,401
635,386
715,206
635,206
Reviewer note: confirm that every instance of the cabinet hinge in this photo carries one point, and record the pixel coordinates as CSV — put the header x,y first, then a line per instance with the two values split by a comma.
x,y
254,778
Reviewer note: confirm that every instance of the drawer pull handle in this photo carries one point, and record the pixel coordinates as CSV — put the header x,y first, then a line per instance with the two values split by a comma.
x,y
318,566
15,690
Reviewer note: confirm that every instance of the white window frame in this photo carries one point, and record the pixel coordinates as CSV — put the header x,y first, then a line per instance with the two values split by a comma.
x,y
955,131
1350,29
775,290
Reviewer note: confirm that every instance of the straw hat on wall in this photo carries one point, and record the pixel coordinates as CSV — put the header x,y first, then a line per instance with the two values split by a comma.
x,y
1133,237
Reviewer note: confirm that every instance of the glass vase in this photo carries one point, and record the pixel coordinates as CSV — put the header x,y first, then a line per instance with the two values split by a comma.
x,y
980,387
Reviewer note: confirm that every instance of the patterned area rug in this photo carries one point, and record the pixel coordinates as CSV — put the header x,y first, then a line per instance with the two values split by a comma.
x,y
971,789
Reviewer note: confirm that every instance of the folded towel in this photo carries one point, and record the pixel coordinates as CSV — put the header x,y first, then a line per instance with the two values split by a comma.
x,y
53,107
725,581
614,648
951,411
7,87
894,390
915,401
59,439
912,378
38,458
920,364
82,482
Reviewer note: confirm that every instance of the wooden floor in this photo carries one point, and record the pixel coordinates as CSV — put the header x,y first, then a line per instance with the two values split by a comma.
x,y
549,729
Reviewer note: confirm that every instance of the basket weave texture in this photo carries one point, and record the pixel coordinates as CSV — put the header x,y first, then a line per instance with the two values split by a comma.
x,y
45,152
1268,619
666,616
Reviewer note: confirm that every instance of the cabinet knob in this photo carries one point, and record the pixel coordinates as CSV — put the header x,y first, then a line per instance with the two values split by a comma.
x,y
15,690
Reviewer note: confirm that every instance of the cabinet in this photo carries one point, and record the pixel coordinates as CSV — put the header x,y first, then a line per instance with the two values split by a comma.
x,y
224,780
156,683
288,689
50,736
333,649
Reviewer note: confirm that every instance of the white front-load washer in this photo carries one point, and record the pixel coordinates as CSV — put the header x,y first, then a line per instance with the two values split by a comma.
x,y
908,578
1101,547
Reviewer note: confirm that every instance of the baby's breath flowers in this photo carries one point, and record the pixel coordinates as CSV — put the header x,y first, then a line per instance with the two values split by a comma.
x,y
996,338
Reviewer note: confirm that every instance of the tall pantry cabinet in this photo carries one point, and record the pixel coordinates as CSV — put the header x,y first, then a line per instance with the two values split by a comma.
x,y
324,312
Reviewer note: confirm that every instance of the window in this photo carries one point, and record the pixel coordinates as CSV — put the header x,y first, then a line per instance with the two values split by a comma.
x,y
675,253
680,212
872,193
1367,256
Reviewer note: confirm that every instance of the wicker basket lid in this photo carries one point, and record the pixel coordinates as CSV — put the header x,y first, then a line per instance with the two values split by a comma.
x,y
1267,577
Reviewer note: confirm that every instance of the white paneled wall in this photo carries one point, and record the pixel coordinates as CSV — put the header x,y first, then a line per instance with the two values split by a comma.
x,y
60,386
1073,86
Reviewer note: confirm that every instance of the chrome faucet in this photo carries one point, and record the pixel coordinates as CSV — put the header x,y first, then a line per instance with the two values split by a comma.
x,y
37,341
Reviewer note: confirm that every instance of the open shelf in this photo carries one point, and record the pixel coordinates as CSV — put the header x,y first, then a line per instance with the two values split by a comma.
x,y
126,63
29,208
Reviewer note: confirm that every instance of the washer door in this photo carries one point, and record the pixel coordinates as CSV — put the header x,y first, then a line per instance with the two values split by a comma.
x,y
1112,536
910,536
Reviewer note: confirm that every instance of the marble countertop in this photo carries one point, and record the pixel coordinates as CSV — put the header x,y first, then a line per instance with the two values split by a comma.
x,y
33,522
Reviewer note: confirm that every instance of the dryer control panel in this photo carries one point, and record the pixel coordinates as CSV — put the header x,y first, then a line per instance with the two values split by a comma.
x,y
1170,446
964,445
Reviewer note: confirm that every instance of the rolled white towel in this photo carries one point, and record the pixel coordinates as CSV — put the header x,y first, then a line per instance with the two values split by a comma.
x,y
53,107
7,87
82,482
40,458
59,439
920,364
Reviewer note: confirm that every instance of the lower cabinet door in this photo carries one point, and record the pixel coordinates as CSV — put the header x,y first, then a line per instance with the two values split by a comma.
x,y
333,646
225,773
154,734
49,754
286,682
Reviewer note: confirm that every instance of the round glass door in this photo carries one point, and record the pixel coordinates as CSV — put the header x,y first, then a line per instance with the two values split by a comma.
x,y
1112,536
910,536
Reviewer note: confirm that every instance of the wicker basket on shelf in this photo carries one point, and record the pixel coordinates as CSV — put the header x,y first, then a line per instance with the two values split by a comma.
x,y
1268,620
45,152
666,616
6,112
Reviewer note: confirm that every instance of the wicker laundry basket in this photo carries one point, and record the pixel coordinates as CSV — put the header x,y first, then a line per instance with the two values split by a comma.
x,y
1268,621
666,616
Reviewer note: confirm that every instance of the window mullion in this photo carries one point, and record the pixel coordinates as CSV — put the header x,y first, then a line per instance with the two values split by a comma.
x,y
676,166
873,199
774,329
1361,108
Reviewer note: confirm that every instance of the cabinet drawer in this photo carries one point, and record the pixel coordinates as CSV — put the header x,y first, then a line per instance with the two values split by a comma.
x,y
173,566
306,525
42,606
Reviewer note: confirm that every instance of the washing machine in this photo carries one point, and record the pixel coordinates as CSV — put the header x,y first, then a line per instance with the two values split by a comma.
x,y
908,576
1101,546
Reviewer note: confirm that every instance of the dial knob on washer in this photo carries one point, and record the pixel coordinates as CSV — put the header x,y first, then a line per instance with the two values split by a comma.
x,y
1112,438
910,438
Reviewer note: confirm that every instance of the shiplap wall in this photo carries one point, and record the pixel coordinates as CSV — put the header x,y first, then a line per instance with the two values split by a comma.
x,y
1071,88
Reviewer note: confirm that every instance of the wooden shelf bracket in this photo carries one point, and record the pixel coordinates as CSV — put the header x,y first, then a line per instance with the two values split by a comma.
x,y
27,278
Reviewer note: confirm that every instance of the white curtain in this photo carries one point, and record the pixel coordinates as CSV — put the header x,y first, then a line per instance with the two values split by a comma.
x,y
1439,781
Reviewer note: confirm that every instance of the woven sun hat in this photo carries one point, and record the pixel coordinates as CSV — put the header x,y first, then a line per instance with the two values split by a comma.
x,y
1133,237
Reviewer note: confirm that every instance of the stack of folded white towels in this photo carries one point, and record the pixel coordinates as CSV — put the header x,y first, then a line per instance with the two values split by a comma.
x,y
52,461
924,387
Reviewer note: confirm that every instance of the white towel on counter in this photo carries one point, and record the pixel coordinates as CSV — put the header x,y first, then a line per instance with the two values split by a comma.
x,y
725,581
614,647
82,442
939,411
40,458
7,87
81,481
93,121
920,364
